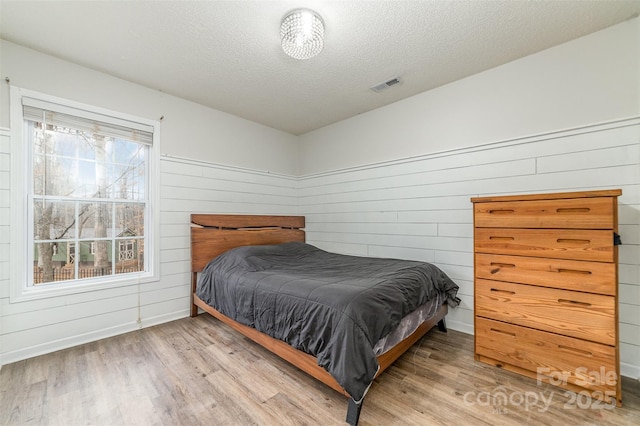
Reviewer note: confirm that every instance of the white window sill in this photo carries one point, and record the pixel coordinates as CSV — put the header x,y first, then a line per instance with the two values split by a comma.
x,y
43,291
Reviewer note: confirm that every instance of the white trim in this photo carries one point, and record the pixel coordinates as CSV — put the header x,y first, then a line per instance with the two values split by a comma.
x,y
164,318
591,128
69,342
630,370
459,326
185,160
153,210
19,291
84,286
56,345
18,273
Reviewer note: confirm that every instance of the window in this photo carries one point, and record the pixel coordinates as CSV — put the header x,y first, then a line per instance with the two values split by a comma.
x,y
71,254
88,194
126,250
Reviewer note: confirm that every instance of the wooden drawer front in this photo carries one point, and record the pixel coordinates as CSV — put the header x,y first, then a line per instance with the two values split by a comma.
x,y
581,213
586,364
571,313
595,245
590,277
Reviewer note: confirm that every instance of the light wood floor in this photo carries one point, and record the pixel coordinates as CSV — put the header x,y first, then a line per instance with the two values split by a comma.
x,y
199,371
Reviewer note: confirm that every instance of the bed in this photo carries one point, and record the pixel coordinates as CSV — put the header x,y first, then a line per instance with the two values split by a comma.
x,y
331,338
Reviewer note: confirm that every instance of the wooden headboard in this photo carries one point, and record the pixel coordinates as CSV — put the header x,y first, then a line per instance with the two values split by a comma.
x,y
213,234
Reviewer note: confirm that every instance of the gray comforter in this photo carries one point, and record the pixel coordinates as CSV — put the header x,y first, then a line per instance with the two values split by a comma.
x,y
334,307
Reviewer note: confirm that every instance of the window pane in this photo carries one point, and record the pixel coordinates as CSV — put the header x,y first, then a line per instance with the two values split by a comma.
x,y
95,220
127,152
66,142
71,253
85,176
53,175
97,264
53,220
128,181
54,262
38,174
61,176
130,256
55,165
128,171
74,163
129,220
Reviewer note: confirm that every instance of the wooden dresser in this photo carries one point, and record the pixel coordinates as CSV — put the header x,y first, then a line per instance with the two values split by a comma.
x,y
546,288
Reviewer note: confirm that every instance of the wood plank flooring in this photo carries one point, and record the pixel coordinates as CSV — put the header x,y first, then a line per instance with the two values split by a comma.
x,y
199,371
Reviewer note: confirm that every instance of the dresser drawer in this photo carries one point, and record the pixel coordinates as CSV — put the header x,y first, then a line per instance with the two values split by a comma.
x,y
586,364
571,313
579,244
590,277
577,213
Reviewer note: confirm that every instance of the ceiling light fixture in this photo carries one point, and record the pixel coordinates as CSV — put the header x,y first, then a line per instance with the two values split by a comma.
x,y
302,34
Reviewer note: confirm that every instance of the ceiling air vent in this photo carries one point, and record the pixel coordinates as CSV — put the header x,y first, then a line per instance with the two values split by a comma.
x,y
383,86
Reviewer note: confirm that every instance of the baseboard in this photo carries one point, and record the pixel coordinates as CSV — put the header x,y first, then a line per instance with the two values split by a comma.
x,y
57,345
161,319
459,326
630,370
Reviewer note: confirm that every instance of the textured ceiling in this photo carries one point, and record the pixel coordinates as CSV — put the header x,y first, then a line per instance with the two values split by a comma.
x,y
226,54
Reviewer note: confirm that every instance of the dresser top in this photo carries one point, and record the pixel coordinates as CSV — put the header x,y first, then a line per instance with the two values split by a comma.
x,y
550,196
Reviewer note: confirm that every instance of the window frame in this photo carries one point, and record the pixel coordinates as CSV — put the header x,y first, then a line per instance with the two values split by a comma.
x,y
22,238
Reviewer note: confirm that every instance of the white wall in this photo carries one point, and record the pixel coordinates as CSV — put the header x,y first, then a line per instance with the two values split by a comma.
x,y
188,129
397,181
588,80
256,178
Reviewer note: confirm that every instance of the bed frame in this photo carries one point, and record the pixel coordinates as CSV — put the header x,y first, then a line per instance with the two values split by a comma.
x,y
214,234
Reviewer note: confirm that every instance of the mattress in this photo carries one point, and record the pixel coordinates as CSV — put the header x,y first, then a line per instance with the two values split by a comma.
x,y
332,306
409,324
